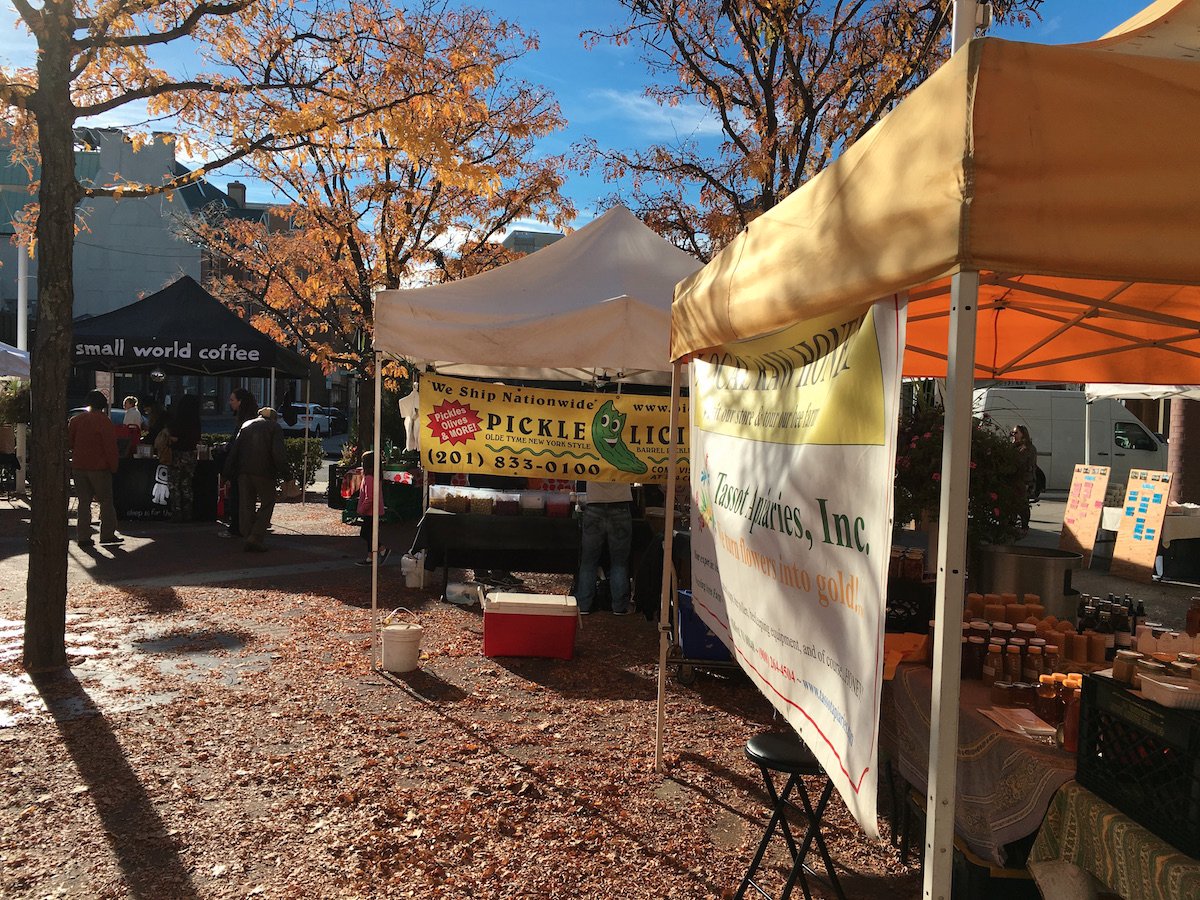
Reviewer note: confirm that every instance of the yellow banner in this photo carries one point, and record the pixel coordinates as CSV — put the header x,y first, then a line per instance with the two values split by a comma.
x,y
494,429
813,383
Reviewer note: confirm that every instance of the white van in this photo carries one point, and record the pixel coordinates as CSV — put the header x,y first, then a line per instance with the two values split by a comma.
x,y
1055,419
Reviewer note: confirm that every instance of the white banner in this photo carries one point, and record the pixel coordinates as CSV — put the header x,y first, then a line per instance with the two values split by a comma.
x,y
793,454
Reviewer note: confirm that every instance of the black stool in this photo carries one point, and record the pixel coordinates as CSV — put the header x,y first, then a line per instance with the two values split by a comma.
x,y
774,752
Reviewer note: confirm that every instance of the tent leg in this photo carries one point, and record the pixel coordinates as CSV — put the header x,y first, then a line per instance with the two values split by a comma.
x,y
376,496
951,587
664,623
304,456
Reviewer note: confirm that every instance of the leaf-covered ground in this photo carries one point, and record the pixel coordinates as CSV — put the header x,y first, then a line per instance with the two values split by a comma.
x,y
220,734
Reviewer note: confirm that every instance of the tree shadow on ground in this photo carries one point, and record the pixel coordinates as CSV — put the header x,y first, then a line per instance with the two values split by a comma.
x,y
148,857
550,787
425,686
574,682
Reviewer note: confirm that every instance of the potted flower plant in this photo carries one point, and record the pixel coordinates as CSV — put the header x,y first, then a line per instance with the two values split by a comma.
x,y
996,495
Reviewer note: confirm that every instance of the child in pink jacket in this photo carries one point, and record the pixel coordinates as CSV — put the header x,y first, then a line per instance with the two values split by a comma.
x,y
366,494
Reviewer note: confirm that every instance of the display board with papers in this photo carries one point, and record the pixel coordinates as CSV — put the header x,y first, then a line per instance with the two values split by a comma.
x,y
1141,525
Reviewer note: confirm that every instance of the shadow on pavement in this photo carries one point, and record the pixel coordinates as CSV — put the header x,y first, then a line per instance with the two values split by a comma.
x,y
147,855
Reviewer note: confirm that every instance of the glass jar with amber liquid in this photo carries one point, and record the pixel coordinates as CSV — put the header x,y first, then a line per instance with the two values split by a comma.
x,y
1048,708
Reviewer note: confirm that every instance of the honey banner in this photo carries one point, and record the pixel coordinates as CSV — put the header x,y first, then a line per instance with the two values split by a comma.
x,y
495,429
794,436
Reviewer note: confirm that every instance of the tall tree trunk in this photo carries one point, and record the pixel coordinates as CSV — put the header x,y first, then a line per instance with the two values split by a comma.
x,y
46,580
1183,453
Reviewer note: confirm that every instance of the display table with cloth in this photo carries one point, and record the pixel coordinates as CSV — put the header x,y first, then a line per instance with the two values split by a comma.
x,y
1178,544
517,543
1005,781
140,490
509,543
1086,845
1174,527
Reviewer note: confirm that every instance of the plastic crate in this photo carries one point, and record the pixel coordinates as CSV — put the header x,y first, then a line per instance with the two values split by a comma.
x,y
1142,758
695,640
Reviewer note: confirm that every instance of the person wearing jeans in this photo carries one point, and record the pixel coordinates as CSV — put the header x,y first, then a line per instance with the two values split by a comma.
x,y
93,441
606,520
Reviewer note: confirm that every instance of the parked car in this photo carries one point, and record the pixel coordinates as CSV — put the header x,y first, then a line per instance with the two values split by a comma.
x,y
117,415
337,420
307,416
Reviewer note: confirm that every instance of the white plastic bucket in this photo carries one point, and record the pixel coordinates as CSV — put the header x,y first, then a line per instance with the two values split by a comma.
x,y
412,567
401,643
463,593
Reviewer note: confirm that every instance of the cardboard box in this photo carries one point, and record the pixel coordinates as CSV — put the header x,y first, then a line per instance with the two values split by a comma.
x,y
529,625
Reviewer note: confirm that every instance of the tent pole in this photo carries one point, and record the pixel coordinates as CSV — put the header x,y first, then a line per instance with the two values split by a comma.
x,y
951,587
376,465
952,552
22,431
664,607
307,422
1087,431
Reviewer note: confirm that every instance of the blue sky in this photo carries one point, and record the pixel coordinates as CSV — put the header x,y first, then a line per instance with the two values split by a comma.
x,y
600,90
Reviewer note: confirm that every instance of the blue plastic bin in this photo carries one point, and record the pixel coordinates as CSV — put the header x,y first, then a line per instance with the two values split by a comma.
x,y
695,640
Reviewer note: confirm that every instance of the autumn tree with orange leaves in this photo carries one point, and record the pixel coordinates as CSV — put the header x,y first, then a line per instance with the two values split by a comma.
x,y
789,83
262,76
363,209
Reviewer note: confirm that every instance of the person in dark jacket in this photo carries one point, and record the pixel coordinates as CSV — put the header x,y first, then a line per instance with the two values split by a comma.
x,y
244,408
93,440
256,461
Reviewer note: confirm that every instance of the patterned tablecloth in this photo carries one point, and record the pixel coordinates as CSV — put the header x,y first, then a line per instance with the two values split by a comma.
x,y
1005,781
1086,833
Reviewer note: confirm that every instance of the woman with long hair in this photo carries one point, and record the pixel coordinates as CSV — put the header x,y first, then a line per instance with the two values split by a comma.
x,y
1026,471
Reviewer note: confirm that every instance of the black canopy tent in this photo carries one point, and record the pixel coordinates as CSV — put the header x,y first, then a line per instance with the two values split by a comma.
x,y
182,329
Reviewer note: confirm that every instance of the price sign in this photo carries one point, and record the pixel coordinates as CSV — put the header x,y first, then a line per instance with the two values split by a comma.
x,y
1141,524
1085,505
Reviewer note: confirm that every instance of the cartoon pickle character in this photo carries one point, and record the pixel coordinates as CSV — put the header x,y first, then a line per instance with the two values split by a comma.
x,y
606,435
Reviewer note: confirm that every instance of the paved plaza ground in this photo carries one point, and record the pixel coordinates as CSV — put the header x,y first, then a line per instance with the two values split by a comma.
x,y
220,734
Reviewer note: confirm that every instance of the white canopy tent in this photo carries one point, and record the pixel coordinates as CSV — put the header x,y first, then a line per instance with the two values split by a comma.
x,y
14,363
1012,199
1143,391
594,306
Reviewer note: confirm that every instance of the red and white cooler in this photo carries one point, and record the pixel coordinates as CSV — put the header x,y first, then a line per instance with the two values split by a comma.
x,y
529,625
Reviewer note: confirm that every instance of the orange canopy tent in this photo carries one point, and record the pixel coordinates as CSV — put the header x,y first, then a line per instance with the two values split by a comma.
x,y
1065,175
1039,206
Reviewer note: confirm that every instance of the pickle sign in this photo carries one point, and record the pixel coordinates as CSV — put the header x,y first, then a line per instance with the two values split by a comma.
x,y
454,423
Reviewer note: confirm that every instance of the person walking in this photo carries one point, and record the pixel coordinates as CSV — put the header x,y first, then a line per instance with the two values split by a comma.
x,y
606,520
1026,481
185,435
93,441
244,408
256,461
366,499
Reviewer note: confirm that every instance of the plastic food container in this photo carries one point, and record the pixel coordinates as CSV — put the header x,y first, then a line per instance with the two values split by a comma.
x,y
508,504
533,503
